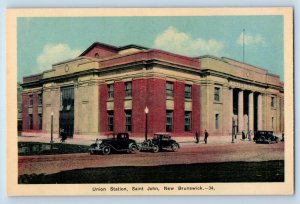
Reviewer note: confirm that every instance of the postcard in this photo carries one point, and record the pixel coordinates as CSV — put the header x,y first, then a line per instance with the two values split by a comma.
x,y
150,101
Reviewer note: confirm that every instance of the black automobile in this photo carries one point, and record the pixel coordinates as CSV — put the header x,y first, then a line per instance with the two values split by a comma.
x,y
159,142
119,142
265,137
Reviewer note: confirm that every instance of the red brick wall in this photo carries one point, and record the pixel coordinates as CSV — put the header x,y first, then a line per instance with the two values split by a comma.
x,y
35,112
178,107
156,103
119,114
150,93
102,51
138,105
103,108
150,55
196,108
25,113
31,78
25,117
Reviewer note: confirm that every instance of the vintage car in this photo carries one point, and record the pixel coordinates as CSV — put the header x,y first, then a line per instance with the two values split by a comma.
x,y
119,142
159,142
265,137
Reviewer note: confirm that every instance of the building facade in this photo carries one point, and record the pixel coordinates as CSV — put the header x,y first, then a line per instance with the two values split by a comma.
x,y
106,89
239,97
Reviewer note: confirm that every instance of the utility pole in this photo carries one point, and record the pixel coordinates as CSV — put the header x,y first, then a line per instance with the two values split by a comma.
x,y
243,45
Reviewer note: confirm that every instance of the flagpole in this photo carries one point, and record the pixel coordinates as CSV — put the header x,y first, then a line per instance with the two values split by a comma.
x,y
244,45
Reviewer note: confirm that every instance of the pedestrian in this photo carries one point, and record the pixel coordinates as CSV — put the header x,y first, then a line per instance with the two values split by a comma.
x,y
282,137
197,136
63,135
205,136
249,135
243,135
98,143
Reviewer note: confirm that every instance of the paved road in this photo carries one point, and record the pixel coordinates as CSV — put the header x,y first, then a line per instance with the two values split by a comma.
x,y
189,153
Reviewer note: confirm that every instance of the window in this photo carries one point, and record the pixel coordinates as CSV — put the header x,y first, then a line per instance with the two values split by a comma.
x,y
128,89
272,123
40,121
273,102
110,120
30,121
188,91
128,117
30,100
40,98
169,89
97,55
217,94
187,121
110,90
67,98
217,121
169,121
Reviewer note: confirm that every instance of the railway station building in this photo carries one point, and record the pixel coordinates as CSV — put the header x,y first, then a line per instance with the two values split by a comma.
x,y
107,89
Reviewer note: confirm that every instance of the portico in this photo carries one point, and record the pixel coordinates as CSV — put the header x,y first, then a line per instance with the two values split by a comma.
x,y
251,99
247,110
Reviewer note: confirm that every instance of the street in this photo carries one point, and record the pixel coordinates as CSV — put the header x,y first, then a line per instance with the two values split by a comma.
x,y
189,153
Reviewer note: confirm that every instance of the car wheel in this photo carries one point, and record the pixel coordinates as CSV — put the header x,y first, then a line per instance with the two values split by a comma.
x,y
155,149
175,147
106,150
269,141
133,148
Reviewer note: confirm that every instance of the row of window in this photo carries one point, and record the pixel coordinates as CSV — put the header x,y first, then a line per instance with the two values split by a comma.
x,y
128,90
40,100
40,121
217,97
169,120
128,121
169,90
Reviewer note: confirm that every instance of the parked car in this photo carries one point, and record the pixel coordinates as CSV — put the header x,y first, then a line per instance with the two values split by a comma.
x,y
159,142
119,142
265,137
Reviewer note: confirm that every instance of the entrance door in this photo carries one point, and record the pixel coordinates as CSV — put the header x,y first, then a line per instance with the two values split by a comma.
x,y
66,116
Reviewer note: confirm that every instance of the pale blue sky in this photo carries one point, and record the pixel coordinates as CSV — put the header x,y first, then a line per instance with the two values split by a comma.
x,y
44,41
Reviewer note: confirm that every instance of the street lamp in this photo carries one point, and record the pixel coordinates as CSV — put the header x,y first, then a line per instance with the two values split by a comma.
x,y
51,127
146,128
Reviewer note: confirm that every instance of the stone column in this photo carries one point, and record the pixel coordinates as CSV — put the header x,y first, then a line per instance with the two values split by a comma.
x,y
241,111
259,112
230,110
251,112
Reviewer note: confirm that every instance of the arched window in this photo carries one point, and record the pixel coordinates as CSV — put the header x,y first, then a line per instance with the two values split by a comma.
x,y
97,55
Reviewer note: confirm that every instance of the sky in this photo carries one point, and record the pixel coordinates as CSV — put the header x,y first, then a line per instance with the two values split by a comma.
x,y
43,41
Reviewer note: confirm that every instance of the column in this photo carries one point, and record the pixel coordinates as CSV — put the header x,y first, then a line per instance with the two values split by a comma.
x,y
230,110
259,112
251,112
241,111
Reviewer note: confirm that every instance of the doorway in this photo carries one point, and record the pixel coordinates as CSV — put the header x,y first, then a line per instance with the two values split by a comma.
x,y
66,116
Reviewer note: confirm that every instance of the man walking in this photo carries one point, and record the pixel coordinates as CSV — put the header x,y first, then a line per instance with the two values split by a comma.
x,y
197,136
243,135
205,136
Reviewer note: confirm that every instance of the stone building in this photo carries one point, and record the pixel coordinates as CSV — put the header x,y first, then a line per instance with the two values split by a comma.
x,y
239,94
107,88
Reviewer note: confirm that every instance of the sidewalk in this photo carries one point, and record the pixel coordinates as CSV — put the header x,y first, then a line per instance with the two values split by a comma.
x,y
188,140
